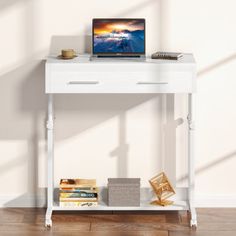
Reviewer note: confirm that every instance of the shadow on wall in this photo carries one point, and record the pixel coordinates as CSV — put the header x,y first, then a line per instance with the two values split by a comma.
x,y
83,43
80,43
216,65
212,164
21,123
8,3
25,120
170,124
23,88
136,8
24,117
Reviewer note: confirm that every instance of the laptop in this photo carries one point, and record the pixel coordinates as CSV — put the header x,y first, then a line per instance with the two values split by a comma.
x,y
122,38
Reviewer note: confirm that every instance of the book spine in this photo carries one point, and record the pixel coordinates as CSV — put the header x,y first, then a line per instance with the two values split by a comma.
x,y
79,182
78,204
78,195
78,199
78,189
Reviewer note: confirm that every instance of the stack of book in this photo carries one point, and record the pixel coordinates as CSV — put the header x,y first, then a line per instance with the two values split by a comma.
x,y
78,192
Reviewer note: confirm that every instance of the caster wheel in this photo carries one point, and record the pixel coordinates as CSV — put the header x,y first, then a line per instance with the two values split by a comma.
x,y
48,224
193,224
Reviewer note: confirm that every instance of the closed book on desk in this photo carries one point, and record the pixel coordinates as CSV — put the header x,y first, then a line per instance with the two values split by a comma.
x,y
167,55
78,204
77,183
78,199
78,195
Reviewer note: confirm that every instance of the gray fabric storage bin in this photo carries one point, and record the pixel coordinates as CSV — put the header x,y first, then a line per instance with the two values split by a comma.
x,y
124,192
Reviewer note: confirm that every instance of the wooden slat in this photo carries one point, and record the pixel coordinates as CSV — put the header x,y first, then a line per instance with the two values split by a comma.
x,y
202,233
136,226
216,215
120,218
29,221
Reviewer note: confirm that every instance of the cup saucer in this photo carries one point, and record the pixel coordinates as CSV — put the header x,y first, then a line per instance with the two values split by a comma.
x,y
65,58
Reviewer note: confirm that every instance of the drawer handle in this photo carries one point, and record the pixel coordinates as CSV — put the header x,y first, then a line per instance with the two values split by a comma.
x,y
83,82
152,83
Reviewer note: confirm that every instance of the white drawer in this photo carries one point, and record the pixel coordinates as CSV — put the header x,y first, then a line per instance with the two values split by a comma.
x,y
118,78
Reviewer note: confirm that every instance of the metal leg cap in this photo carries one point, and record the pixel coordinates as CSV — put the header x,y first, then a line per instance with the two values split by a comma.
x,y
48,223
193,224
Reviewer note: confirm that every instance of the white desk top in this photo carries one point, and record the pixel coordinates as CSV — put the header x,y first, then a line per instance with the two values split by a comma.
x,y
85,58
83,75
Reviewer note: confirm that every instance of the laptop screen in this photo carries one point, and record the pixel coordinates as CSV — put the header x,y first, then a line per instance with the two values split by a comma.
x,y
119,36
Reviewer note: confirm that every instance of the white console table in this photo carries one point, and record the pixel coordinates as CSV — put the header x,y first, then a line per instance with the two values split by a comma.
x,y
81,75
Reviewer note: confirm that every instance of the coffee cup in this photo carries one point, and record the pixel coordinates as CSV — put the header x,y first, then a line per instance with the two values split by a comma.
x,y
67,53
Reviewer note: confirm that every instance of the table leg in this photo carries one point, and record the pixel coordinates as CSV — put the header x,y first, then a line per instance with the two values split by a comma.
x,y
191,151
50,121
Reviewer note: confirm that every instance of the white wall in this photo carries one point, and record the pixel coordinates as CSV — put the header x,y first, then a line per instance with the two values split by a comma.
x,y
107,136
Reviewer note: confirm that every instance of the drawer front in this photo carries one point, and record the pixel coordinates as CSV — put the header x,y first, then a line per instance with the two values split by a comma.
x,y
124,78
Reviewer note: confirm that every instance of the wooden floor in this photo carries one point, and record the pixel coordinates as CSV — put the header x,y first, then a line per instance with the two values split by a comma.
x,y
29,221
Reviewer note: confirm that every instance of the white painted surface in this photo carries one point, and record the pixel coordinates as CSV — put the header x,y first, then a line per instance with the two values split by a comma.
x,y
130,124
150,76
144,206
120,77
214,200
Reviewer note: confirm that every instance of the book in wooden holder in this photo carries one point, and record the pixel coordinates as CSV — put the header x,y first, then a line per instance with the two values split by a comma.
x,y
162,188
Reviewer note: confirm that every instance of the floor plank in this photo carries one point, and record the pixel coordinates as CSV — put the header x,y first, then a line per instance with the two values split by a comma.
x,y
217,215
30,221
217,219
202,233
136,226
128,218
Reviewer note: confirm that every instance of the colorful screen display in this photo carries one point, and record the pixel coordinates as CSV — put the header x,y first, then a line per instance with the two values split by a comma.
x,y
119,36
